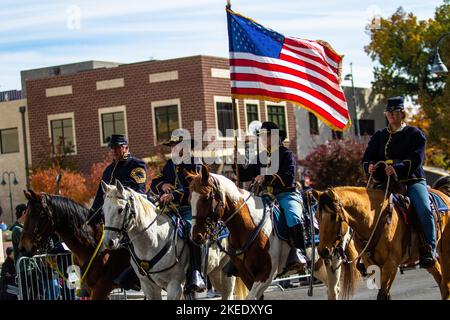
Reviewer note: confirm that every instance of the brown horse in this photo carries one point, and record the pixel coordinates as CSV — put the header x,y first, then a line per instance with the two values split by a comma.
x,y
256,251
393,243
49,214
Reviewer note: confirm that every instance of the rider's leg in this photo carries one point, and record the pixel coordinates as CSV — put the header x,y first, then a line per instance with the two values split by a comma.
x,y
418,193
195,281
291,203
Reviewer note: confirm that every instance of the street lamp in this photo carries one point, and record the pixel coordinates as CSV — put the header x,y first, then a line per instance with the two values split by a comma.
x,y
15,182
350,77
438,66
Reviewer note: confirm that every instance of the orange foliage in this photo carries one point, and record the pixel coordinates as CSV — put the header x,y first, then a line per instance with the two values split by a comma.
x,y
95,176
72,184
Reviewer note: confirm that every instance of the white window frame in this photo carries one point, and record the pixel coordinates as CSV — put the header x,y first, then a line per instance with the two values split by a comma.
x,y
164,103
102,111
284,104
228,100
248,101
60,116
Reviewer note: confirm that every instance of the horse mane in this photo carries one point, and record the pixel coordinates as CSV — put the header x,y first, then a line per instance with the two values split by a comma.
x,y
223,183
71,216
443,185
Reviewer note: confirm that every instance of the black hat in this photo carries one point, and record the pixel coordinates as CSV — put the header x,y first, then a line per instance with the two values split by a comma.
x,y
395,104
117,140
174,140
269,125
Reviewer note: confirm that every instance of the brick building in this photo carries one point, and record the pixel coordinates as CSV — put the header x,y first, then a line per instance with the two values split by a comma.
x,y
145,100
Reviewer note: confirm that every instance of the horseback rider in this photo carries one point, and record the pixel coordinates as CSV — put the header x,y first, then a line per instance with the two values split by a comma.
x,y
172,187
132,173
405,146
282,185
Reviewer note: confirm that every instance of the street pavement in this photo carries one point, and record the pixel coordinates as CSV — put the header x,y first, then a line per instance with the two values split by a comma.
x,y
414,284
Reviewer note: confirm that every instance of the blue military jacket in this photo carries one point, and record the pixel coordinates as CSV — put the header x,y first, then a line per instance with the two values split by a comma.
x,y
283,180
406,147
175,175
130,171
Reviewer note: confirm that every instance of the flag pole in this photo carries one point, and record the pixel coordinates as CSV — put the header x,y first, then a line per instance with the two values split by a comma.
x,y
236,128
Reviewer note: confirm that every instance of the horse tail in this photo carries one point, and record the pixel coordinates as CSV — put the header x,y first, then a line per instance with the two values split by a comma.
x,y
350,274
240,290
443,185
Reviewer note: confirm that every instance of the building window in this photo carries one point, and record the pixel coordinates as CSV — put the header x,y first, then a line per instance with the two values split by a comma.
x,y
224,118
62,136
277,114
252,112
9,140
313,124
337,135
112,123
166,120
366,127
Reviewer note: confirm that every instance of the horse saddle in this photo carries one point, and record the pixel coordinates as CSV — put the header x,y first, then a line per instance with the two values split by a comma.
x,y
403,205
280,225
183,228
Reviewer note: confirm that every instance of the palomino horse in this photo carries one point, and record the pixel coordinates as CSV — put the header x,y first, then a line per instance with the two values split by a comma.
x,y
154,245
49,214
262,255
392,244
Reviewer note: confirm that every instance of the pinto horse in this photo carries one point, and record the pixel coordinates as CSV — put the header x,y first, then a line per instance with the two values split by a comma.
x,y
262,255
159,257
49,214
393,243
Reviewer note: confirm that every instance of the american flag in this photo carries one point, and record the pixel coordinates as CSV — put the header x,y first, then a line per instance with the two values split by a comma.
x,y
267,65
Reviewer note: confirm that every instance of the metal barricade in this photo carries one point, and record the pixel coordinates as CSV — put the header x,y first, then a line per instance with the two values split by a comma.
x,y
44,277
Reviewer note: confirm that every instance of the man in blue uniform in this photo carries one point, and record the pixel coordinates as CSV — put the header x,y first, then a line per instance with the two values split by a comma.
x,y
132,173
282,185
172,186
405,146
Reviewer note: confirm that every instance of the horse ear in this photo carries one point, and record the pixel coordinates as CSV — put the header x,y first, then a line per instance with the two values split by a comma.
x,y
34,195
205,175
316,194
105,186
28,195
119,187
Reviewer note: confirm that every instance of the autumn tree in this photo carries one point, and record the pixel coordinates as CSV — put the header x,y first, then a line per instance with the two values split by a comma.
x,y
403,47
72,184
336,163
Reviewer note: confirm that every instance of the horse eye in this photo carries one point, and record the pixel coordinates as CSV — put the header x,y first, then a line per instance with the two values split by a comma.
x,y
120,210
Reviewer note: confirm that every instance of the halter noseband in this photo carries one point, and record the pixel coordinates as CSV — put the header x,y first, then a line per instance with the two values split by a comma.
x,y
36,237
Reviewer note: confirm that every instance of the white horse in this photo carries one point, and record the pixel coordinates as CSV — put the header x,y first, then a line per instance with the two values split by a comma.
x,y
263,254
151,235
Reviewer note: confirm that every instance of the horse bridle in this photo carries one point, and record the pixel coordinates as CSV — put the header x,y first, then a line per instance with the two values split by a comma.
x,y
339,247
36,237
129,216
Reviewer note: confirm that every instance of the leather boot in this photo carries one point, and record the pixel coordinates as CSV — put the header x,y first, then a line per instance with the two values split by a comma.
x,y
195,282
427,259
297,255
128,280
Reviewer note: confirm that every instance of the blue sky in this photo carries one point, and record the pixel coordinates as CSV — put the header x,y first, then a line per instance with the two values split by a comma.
x,y
41,33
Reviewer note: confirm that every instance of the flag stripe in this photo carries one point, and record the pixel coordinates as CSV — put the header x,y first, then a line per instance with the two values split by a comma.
x,y
311,71
296,58
255,74
326,53
307,54
286,90
258,92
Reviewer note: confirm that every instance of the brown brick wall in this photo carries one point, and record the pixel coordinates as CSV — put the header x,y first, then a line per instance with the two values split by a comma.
x,y
195,88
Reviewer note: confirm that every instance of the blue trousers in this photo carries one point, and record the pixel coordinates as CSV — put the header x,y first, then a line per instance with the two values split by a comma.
x,y
418,193
186,215
291,203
